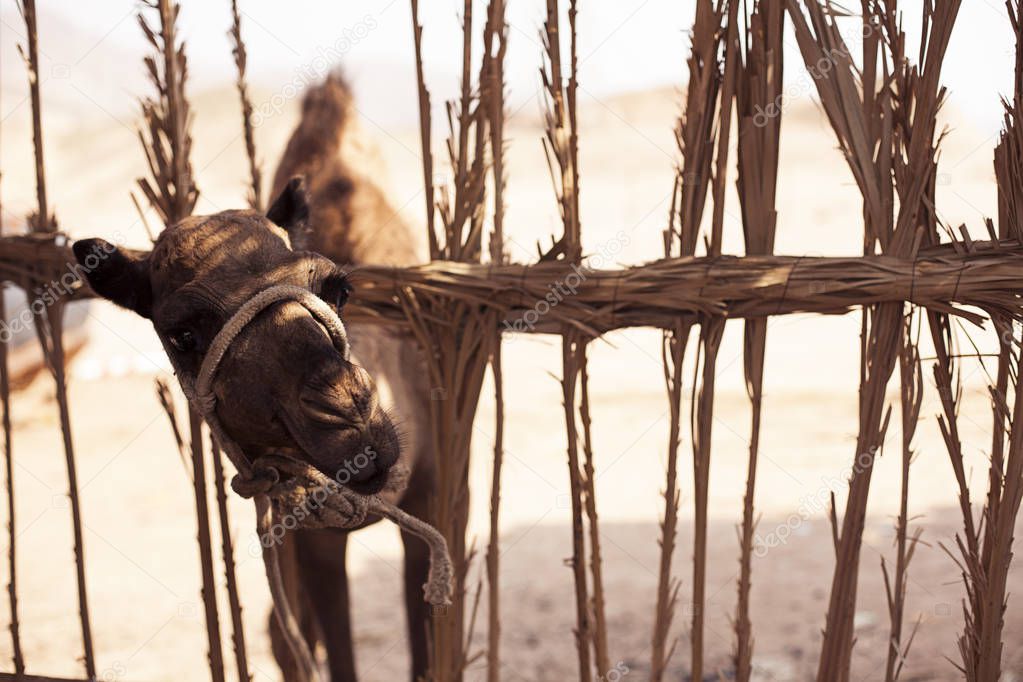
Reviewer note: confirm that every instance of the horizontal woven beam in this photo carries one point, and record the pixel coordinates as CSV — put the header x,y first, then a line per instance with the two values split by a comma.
x,y
547,296
544,297
11,677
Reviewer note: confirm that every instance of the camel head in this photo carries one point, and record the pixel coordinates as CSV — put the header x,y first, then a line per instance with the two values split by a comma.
x,y
282,386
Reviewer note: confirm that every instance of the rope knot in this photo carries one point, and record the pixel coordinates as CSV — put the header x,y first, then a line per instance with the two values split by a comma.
x,y
302,496
259,482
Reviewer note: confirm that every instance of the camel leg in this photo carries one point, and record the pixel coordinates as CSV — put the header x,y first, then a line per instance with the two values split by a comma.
x,y
321,563
287,554
417,569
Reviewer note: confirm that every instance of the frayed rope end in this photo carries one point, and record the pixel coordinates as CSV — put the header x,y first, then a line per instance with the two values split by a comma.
x,y
438,588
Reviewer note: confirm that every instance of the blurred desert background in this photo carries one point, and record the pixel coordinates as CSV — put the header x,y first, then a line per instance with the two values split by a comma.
x,y
143,566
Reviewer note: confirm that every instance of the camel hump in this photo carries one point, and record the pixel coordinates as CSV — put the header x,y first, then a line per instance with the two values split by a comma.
x,y
316,141
350,218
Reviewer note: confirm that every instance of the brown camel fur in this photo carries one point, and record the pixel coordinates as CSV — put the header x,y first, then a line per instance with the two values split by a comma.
x,y
283,387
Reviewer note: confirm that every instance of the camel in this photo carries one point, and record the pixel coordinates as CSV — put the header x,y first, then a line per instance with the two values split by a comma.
x,y
282,387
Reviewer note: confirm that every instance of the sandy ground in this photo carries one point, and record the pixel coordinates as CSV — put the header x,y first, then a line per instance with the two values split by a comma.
x,y
143,573
143,566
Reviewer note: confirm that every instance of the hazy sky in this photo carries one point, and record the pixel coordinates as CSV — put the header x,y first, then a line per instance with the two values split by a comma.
x,y
624,45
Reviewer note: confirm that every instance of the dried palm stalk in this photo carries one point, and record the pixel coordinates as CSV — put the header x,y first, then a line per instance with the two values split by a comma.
x,y
711,333
673,351
209,595
696,133
17,657
495,45
985,550
439,322
759,99
572,357
234,601
911,399
851,114
165,138
906,88
171,191
425,133
561,144
41,220
493,546
241,61
49,328
255,201
598,600
864,119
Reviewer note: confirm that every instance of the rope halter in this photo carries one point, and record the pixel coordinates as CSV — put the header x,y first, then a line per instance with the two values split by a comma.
x,y
293,494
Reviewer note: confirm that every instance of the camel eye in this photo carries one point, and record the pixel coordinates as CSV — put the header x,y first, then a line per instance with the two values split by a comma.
x,y
335,291
182,340
342,295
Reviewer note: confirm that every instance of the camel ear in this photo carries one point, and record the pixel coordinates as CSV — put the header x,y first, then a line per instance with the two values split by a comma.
x,y
290,210
121,276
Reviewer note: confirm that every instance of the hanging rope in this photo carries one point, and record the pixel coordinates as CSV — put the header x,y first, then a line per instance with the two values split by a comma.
x,y
292,494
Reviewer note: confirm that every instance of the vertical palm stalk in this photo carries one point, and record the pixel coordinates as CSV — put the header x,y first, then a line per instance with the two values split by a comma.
x,y
425,134
907,88
911,399
241,61
492,91
673,352
41,220
561,143
227,547
170,189
50,332
240,55
759,100
986,553
598,601
12,562
695,136
458,336
202,513
865,122
711,332
49,326
166,139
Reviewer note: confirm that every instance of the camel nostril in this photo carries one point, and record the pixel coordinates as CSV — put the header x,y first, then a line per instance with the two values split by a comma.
x,y
386,459
361,474
370,478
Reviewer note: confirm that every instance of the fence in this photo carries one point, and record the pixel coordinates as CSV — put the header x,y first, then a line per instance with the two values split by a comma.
x,y
883,113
